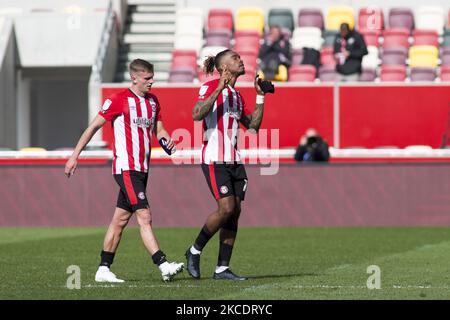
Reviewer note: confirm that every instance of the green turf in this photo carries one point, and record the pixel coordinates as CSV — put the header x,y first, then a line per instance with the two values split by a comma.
x,y
283,263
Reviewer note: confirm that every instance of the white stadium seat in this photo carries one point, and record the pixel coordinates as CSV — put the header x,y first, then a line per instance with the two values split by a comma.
x,y
189,19
430,18
209,51
188,41
371,60
307,37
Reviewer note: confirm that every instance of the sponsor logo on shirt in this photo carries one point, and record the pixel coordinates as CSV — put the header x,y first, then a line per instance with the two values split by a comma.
x,y
142,122
202,91
106,105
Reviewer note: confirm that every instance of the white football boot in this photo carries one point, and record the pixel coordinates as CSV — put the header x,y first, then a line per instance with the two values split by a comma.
x,y
170,269
104,275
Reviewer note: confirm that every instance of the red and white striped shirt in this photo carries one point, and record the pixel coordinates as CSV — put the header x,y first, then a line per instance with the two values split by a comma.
x,y
221,125
133,119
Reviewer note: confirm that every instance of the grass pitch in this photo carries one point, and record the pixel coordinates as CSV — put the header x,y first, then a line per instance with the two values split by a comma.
x,y
282,263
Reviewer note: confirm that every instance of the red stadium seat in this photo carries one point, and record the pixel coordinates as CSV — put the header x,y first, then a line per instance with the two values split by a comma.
x,y
393,73
184,59
182,75
426,38
327,57
445,73
247,41
371,19
371,37
396,38
423,74
368,75
218,38
327,73
401,18
302,73
297,56
310,17
395,56
220,19
445,56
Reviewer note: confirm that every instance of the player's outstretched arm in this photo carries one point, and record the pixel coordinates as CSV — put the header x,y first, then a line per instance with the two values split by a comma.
x,y
253,120
204,107
87,135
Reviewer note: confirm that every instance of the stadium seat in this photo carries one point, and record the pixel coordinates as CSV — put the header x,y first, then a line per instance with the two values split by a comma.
x,y
184,58
396,38
33,149
445,56
445,73
370,18
394,56
422,74
219,19
250,19
209,51
307,37
282,74
336,15
188,41
182,75
218,37
297,56
423,56
249,76
401,18
310,17
368,75
371,37
370,61
327,74
327,57
425,38
304,73
247,41
393,73
430,18
446,38
328,38
189,19
281,17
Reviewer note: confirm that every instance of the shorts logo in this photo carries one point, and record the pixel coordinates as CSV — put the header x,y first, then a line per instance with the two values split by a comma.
x,y
223,189
141,195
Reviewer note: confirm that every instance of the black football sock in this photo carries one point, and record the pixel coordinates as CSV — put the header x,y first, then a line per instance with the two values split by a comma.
x,y
159,258
202,239
107,258
225,251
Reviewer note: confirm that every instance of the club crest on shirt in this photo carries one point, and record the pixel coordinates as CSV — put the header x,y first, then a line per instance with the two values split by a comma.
x,y
351,41
141,195
153,104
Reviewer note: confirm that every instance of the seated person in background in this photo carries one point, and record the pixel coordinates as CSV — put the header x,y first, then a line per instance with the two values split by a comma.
x,y
349,49
274,52
312,147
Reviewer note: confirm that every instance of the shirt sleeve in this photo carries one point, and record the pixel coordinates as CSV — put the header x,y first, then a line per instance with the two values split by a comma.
x,y
158,109
205,91
111,108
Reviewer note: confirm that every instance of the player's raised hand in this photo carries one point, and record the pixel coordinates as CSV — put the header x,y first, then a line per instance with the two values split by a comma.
x,y
71,166
258,89
225,78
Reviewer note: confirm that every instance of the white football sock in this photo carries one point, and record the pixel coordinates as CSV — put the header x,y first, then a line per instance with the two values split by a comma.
x,y
220,269
194,251
103,268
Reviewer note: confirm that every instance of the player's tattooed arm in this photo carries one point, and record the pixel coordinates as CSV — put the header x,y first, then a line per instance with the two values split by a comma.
x,y
253,120
203,108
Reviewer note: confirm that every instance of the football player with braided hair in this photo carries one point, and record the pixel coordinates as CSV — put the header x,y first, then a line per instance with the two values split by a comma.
x,y
221,108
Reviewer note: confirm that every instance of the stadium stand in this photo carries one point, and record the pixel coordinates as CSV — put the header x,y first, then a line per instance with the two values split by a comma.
x,y
327,56
368,74
394,56
182,75
327,73
307,37
247,41
370,19
218,37
423,74
424,37
371,37
430,18
396,38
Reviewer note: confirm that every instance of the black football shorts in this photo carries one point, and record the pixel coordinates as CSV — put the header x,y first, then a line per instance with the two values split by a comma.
x,y
226,180
132,194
